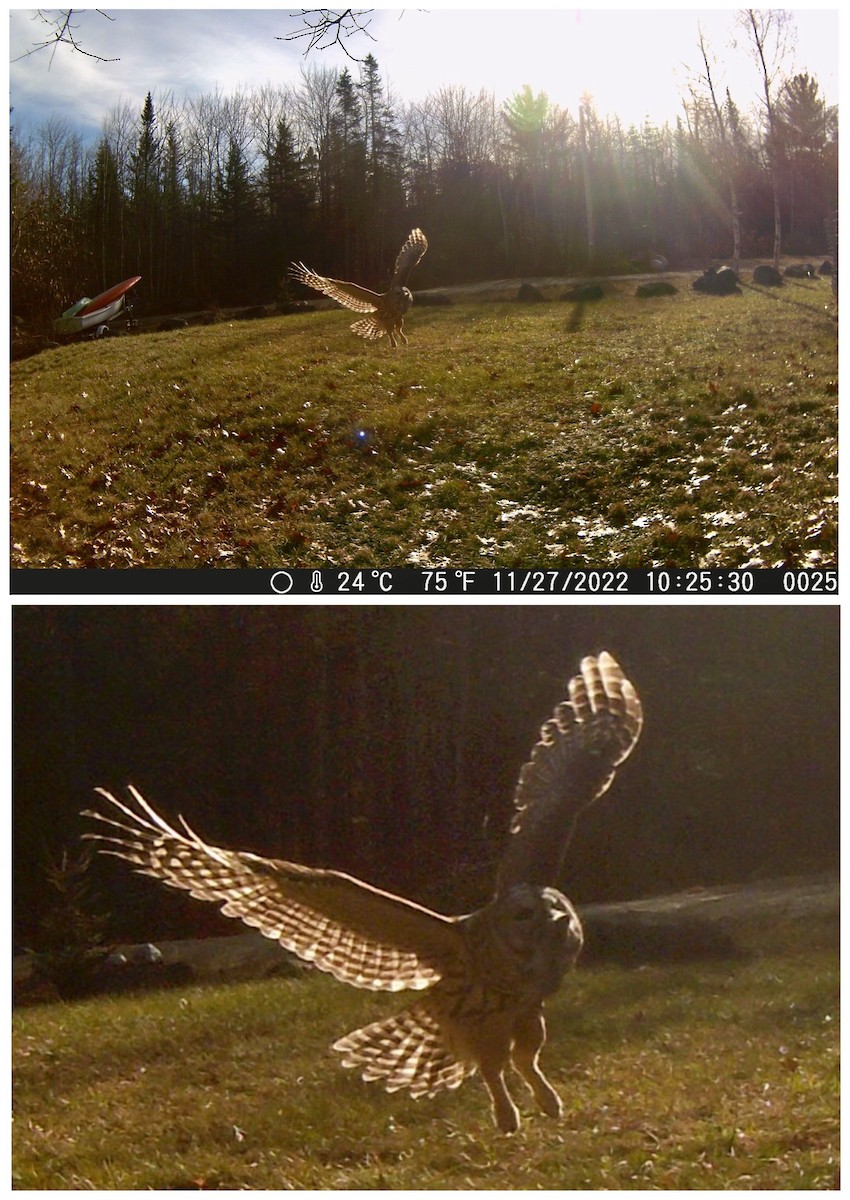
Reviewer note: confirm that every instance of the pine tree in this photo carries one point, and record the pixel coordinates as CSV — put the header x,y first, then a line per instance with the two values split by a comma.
x,y
235,229
807,129
145,199
348,176
174,251
384,171
525,116
288,200
104,208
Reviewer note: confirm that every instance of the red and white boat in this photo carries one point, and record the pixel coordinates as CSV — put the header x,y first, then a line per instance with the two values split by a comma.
x,y
88,314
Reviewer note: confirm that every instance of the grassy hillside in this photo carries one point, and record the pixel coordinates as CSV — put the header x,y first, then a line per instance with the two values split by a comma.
x,y
720,1076
683,430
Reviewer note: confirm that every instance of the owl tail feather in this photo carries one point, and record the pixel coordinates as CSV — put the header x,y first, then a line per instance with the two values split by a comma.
x,y
405,1051
368,328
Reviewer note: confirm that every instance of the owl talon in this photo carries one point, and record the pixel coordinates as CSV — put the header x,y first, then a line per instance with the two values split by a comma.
x,y
509,1123
506,1114
550,1103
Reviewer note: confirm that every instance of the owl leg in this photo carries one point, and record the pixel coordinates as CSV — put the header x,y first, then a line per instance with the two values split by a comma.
x,y
505,1112
529,1038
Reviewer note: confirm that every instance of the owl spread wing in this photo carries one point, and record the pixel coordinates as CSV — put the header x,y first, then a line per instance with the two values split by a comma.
x,y
356,932
409,255
571,766
351,295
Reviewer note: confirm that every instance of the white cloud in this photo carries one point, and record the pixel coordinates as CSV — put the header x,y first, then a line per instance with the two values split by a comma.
x,y
181,52
630,60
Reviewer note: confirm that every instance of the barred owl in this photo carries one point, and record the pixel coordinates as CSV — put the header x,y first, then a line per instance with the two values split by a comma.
x,y
482,978
387,309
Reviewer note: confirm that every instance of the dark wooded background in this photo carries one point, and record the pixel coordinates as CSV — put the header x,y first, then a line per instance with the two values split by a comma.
x,y
386,741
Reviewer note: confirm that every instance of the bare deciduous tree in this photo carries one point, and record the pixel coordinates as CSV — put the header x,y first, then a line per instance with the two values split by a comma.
x,y
726,155
771,33
584,113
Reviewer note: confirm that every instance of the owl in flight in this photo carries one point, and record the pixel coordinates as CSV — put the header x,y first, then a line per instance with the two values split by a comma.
x,y
386,309
481,979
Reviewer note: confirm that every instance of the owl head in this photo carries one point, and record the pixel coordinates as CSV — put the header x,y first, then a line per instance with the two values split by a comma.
x,y
538,932
400,298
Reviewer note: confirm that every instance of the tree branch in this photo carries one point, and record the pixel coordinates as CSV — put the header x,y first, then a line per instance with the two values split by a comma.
x,y
325,28
63,34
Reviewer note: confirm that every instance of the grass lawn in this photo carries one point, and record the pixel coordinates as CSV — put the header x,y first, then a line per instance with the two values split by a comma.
x,y
720,1076
689,430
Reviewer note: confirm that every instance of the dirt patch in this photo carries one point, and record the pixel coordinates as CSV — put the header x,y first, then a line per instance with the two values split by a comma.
x,y
731,921
796,898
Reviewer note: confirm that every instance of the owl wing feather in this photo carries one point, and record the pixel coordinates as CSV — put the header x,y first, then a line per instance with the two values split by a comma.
x,y
404,1051
358,933
571,766
369,328
351,295
409,255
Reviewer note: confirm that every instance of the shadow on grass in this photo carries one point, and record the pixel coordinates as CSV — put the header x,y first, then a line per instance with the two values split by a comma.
x,y
819,307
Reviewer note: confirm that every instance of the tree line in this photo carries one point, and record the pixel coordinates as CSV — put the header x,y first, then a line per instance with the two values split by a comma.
x,y
211,197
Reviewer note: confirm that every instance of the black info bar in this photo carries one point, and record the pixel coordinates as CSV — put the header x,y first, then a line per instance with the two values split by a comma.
x,y
437,582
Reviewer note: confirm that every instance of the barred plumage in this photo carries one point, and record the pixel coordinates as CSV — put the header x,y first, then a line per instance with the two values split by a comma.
x,y
483,978
572,765
357,933
388,308
404,1051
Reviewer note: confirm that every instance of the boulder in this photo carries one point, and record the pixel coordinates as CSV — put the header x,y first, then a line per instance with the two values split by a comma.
x,y
635,938
584,291
717,281
656,287
432,299
800,271
288,308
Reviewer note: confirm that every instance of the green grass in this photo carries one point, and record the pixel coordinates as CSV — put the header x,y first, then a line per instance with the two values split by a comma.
x,y
681,431
720,1076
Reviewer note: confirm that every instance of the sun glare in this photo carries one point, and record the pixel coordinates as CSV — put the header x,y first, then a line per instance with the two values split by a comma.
x,y
634,63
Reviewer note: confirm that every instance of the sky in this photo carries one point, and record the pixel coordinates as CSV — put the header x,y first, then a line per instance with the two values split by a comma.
x,y
634,62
